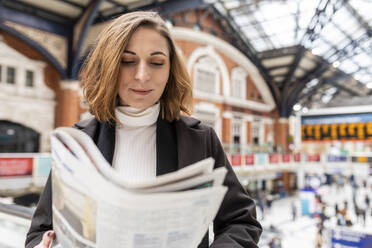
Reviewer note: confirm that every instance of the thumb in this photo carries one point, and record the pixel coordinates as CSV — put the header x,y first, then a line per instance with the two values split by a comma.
x,y
48,238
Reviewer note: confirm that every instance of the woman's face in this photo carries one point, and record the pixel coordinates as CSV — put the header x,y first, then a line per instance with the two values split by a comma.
x,y
144,69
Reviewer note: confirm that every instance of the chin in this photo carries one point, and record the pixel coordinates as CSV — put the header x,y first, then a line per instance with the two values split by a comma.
x,y
141,105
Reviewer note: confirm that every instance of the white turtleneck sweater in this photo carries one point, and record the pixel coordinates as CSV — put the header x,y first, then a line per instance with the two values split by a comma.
x,y
135,143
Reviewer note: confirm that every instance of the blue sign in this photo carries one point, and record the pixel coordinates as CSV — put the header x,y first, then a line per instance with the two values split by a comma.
x,y
337,158
44,165
350,239
261,158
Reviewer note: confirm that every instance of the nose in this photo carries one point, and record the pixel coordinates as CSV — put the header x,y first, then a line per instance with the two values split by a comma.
x,y
142,73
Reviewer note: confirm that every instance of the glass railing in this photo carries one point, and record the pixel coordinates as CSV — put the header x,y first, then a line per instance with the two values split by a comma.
x,y
14,223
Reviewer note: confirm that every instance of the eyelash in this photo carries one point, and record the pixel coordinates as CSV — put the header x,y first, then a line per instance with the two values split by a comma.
x,y
132,62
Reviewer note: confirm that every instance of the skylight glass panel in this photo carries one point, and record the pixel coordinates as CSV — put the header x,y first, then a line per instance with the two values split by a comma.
x,y
363,7
260,45
251,32
286,39
363,59
276,41
308,5
259,16
279,26
332,33
292,6
345,21
341,45
242,19
358,33
321,46
272,10
305,18
300,34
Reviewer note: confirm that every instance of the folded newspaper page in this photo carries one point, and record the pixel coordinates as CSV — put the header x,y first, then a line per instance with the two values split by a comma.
x,y
94,207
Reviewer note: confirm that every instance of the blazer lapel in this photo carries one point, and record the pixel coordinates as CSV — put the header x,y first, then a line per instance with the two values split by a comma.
x,y
103,135
166,147
106,141
191,143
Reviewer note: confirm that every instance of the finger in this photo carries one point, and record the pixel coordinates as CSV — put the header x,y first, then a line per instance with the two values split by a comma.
x,y
48,238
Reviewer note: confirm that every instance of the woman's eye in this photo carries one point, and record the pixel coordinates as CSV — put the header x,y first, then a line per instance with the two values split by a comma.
x,y
127,62
157,63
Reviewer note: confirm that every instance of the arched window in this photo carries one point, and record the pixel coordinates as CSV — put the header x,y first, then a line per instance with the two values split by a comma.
x,y
15,137
206,76
238,76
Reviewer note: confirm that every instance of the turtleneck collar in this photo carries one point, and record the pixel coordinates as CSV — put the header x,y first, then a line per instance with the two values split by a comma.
x,y
135,117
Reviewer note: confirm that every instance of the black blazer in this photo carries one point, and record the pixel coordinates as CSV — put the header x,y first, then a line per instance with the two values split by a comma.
x,y
178,144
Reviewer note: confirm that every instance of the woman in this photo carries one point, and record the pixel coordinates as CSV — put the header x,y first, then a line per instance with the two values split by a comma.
x,y
136,86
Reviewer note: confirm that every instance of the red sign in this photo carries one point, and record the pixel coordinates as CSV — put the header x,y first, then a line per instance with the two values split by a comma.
x,y
236,159
297,157
286,158
16,166
249,159
313,158
273,158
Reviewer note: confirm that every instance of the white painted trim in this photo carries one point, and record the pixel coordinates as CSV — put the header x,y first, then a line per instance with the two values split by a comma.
x,y
70,85
210,52
239,73
257,106
180,33
207,96
227,114
339,110
267,120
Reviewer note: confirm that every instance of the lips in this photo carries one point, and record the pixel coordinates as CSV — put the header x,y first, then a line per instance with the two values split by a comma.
x,y
141,92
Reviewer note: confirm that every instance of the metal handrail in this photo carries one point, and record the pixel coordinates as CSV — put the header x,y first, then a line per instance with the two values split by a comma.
x,y
17,210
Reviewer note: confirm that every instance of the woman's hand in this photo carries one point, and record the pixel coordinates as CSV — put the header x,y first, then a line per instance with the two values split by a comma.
x,y
47,240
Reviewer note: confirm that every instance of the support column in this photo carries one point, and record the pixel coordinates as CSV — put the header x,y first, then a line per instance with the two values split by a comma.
x,y
281,128
68,103
226,127
287,181
249,132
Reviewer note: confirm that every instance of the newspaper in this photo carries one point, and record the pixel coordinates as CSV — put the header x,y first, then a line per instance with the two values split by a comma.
x,y
94,207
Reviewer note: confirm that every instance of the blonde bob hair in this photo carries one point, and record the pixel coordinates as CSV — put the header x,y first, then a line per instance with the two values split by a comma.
x,y
101,70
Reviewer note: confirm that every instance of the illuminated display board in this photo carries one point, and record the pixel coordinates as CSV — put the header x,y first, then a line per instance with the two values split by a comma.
x,y
337,127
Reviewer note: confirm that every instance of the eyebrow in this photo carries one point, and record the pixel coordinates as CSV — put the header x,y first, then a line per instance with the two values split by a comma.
x,y
154,53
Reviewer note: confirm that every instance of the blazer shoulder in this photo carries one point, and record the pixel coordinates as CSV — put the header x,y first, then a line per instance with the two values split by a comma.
x,y
194,123
83,124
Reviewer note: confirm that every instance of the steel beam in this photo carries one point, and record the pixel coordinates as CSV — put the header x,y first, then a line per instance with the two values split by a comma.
x,y
300,85
290,75
91,12
36,46
74,4
31,19
41,15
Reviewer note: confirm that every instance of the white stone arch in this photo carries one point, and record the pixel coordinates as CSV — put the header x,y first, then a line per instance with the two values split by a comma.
x,y
202,38
210,52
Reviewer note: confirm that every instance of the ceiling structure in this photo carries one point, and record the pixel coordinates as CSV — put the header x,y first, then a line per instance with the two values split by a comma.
x,y
310,52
